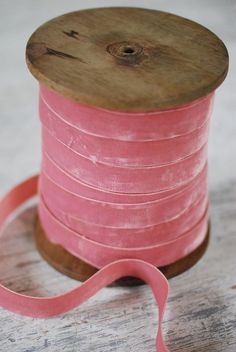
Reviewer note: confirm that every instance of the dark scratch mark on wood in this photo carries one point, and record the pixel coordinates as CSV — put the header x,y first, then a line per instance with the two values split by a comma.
x,y
71,34
36,50
54,52
57,53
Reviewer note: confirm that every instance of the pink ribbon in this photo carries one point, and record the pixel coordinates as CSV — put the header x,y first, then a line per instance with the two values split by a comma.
x,y
38,307
125,192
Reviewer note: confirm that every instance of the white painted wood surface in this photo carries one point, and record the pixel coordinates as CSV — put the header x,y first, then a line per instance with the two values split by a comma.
x,y
201,312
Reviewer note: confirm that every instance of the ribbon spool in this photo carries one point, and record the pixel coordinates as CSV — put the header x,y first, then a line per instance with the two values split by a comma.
x,y
125,100
124,63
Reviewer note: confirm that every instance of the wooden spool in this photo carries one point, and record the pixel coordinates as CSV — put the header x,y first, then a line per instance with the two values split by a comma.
x,y
126,59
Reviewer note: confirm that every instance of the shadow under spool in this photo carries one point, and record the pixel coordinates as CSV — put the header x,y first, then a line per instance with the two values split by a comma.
x,y
116,58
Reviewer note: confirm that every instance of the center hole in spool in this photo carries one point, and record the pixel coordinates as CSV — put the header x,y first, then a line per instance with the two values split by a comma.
x,y
128,50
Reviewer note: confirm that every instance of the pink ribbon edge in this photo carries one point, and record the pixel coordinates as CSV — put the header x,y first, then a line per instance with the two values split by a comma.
x,y
43,307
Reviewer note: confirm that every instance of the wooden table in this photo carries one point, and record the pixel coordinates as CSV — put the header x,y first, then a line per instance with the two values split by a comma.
x,y
201,311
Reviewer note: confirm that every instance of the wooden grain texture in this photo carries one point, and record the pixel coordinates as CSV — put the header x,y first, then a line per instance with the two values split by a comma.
x,y
126,58
201,308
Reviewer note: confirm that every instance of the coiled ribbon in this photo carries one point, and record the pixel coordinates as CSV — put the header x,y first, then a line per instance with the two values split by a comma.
x,y
125,192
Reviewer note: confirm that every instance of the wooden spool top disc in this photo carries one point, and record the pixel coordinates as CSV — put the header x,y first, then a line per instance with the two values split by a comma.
x,y
127,59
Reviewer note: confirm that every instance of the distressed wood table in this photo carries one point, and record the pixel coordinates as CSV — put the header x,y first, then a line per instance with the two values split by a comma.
x,y
201,311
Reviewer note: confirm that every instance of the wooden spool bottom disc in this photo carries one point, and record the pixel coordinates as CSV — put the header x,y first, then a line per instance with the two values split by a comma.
x,y
75,268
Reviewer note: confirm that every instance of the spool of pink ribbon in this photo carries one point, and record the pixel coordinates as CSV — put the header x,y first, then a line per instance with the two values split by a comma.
x,y
126,96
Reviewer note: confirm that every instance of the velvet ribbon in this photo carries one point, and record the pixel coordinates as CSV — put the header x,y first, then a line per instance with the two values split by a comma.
x,y
124,192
